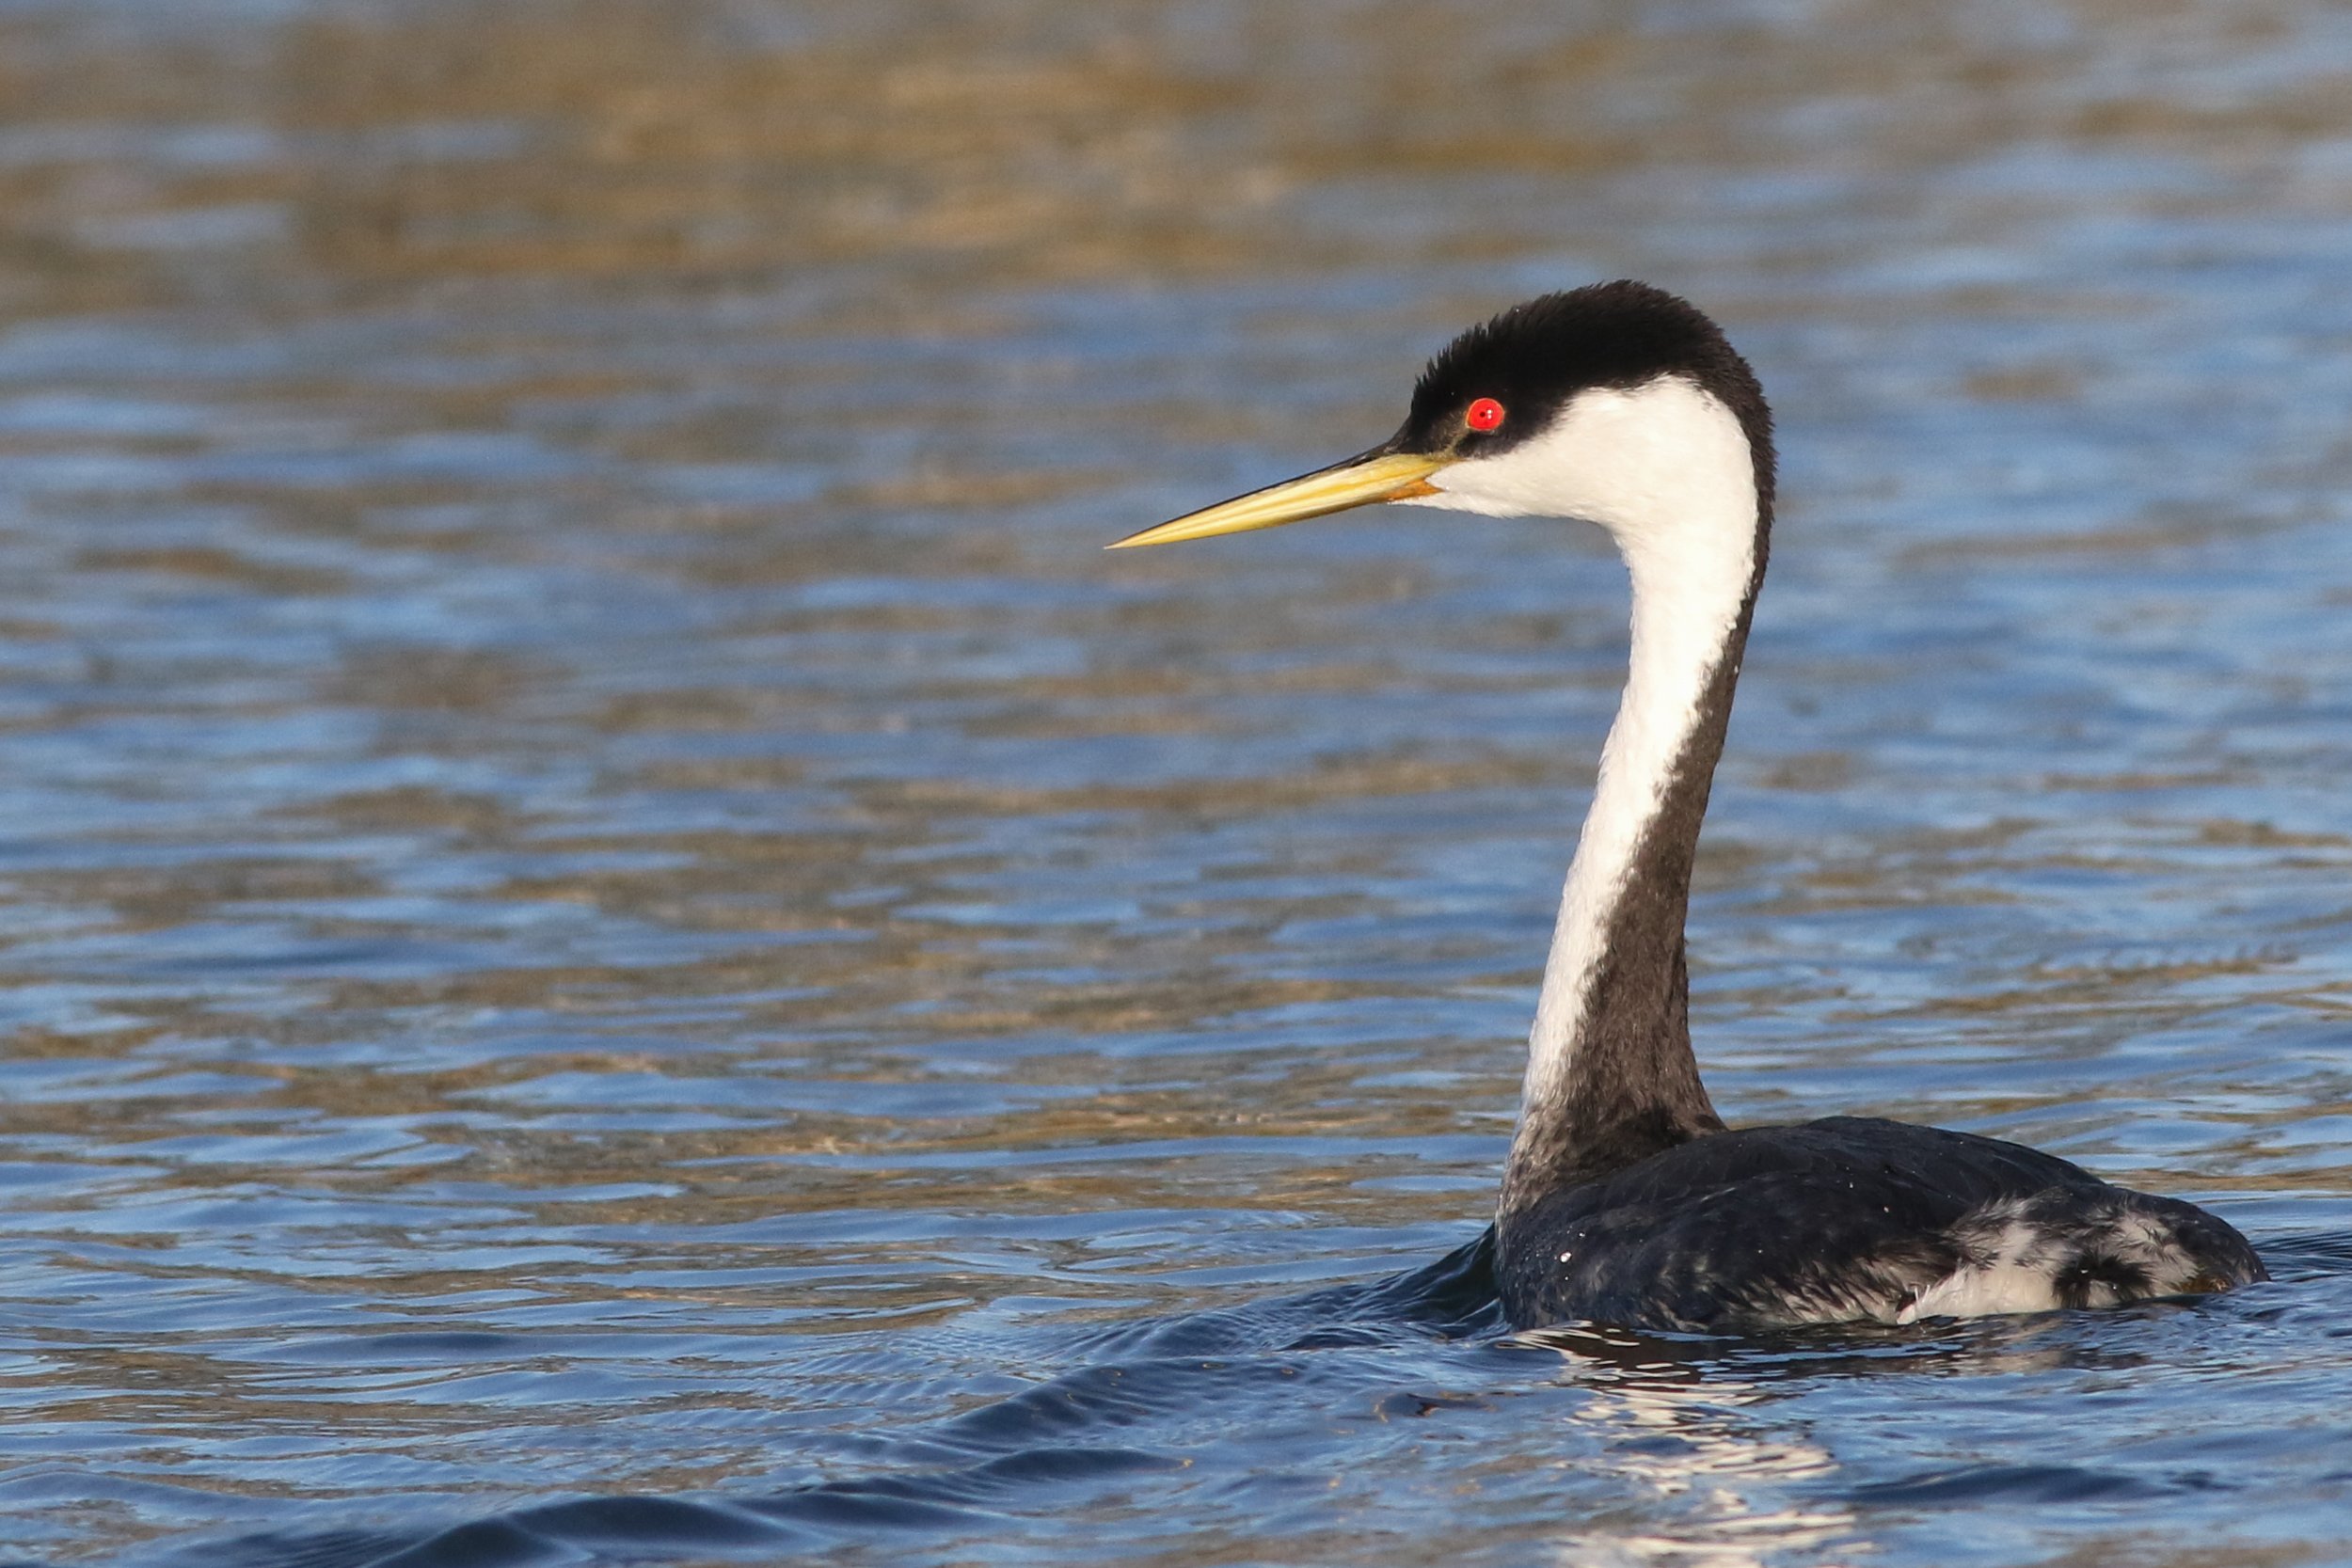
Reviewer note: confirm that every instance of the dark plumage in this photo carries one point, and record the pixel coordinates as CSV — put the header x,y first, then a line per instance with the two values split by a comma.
x,y
1845,1218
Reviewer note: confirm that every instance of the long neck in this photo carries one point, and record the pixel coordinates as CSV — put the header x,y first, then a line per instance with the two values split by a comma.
x,y
1611,1078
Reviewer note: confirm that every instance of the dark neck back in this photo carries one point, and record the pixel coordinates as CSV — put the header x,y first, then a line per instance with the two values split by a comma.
x,y
1633,1087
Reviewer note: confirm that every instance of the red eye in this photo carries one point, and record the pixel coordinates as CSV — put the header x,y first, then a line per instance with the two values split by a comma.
x,y
1484,415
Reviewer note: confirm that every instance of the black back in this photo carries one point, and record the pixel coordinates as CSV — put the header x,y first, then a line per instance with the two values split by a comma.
x,y
1844,1218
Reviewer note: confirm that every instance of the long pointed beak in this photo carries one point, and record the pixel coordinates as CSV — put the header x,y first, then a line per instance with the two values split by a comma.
x,y
1374,476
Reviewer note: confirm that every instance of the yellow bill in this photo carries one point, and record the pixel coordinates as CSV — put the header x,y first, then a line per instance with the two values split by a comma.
x,y
1359,481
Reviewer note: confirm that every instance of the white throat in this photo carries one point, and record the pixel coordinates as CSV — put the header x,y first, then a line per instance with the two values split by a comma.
x,y
1666,468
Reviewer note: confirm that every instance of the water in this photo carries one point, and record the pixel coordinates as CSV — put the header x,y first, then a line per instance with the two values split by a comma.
x,y
622,943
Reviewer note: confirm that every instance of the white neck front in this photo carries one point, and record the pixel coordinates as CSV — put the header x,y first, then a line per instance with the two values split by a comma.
x,y
1666,468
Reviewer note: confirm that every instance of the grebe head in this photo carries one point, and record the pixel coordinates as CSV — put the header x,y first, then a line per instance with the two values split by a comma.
x,y
1605,404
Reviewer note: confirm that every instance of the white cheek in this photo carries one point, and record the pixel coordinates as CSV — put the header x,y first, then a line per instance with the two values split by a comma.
x,y
1498,487
1451,498
1639,461
1538,479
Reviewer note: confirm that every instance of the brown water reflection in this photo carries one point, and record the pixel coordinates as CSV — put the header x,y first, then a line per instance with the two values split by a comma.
x,y
638,143
606,893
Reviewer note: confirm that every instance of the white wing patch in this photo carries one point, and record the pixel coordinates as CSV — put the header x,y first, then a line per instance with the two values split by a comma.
x,y
2017,1273
2017,1259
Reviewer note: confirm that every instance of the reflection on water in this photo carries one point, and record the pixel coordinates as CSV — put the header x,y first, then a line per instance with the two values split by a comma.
x,y
1714,1487
608,897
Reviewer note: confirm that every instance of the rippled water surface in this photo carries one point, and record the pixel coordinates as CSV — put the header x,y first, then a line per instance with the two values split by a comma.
x,y
619,940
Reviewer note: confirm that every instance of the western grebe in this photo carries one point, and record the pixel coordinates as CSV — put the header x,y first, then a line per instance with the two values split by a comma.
x,y
1625,1200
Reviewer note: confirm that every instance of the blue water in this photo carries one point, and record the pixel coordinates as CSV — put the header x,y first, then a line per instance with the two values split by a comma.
x,y
620,941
